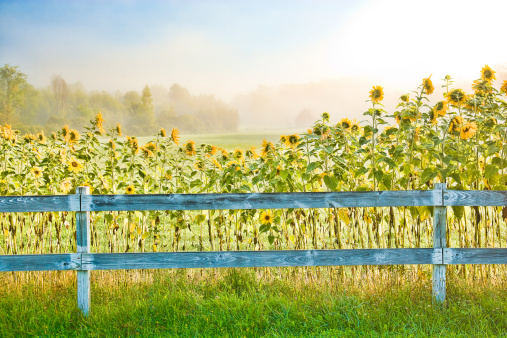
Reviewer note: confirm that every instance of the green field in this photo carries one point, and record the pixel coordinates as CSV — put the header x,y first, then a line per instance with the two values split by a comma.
x,y
229,141
291,302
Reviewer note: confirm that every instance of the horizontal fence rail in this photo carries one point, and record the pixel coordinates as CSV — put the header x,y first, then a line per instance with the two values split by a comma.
x,y
83,261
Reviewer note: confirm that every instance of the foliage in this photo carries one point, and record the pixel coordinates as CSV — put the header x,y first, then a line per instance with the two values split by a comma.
x,y
32,110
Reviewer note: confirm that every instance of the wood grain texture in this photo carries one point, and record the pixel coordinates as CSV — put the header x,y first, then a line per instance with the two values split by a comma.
x,y
39,203
475,197
83,246
261,200
228,259
439,241
475,256
40,262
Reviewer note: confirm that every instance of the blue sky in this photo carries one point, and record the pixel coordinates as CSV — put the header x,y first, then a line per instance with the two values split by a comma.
x,y
230,47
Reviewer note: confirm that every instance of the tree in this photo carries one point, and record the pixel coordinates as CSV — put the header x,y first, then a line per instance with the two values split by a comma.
x,y
12,91
61,91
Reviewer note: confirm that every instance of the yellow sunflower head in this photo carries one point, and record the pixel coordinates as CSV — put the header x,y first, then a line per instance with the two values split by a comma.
x,y
238,154
130,189
293,140
456,96
29,138
75,165
65,132
36,171
355,128
503,88
346,124
74,136
162,133
41,138
441,108
66,185
118,129
267,148
427,85
377,94
405,98
98,123
266,217
175,135
487,74
468,130
190,148
455,124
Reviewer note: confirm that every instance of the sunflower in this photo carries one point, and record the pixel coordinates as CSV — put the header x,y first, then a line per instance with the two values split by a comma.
x,y
293,140
503,88
118,129
36,171
267,148
254,153
73,136
66,132
283,139
346,124
29,138
266,217
487,74
405,97
175,135
325,116
112,145
147,152
238,154
455,124
98,123
162,133
75,166
133,143
427,85
216,164
7,133
130,189
456,96
66,185
355,128
377,94
189,147
468,130
441,108
199,165
151,146
41,138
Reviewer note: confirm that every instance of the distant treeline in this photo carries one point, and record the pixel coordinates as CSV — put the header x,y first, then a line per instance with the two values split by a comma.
x,y
32,109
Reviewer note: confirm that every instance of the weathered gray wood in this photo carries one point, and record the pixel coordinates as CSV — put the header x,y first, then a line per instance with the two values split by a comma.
x,y
83,246
39,203
439,241
475,197
40,262
261,200
475,256
280,258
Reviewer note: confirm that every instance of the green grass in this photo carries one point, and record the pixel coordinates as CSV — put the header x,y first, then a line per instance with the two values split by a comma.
x,y
230,141
239,303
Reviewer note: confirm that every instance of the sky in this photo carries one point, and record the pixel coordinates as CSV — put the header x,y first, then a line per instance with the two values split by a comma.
x,y
227,48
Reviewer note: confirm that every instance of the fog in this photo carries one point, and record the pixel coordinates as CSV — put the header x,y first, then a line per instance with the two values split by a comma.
x,y
270,60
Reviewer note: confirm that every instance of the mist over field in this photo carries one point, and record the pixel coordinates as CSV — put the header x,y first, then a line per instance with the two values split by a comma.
x,y
222,66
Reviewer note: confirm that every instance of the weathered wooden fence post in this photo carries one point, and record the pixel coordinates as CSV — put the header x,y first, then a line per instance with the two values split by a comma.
x,y
439,242
83,246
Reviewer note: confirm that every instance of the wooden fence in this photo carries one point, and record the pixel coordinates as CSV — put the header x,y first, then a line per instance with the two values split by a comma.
x,y
83,261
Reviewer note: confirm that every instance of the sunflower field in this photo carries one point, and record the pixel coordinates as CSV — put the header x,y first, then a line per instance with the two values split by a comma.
x,y
460,140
